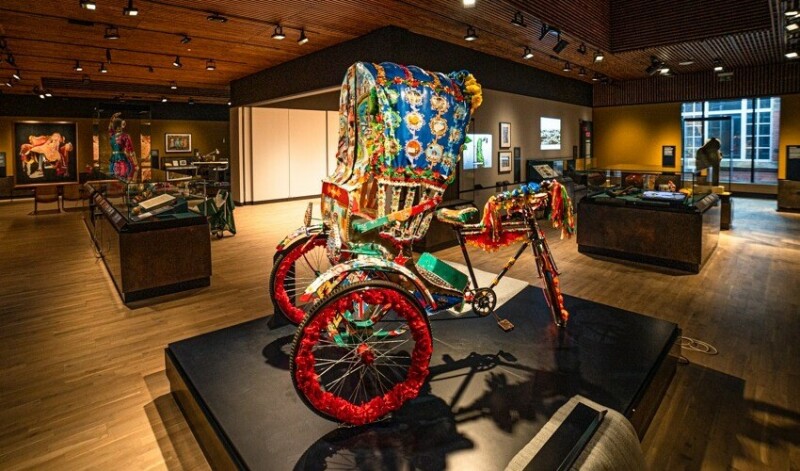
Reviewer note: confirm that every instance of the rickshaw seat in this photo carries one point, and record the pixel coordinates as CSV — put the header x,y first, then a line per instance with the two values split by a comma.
x,y
456,217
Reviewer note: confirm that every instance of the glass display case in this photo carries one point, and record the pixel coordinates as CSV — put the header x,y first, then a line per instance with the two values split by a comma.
x,y
650,186
148,236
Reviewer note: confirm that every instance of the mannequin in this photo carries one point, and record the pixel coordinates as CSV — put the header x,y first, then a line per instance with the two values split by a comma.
x,y
709,156
123,157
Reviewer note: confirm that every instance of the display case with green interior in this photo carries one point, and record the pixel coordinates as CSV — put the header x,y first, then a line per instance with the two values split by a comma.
x,y
149,239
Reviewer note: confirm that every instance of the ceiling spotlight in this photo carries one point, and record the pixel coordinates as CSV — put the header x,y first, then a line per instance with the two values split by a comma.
x,y
88,5
86,80
527,53
16,75
471,34
48,93
130,10
560,45
791,55
596,77
229,103
665,70
103,69
582,49
164,99
211,65
9,83
598,56
518,20
582,72
793,26
686,62
40,92
278,34
78,67
791,9
717,65
655,65
303,38
112,33
177,62
567,67
173,86
469,3
185,39
217,18
191,101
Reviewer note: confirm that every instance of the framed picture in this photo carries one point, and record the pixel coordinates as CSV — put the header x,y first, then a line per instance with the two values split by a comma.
x,y
176,143
550,129
505,135
504,161
175,163
46,152
183,163
668,156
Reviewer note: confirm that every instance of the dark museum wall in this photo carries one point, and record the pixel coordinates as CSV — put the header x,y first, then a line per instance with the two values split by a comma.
x,y
325,69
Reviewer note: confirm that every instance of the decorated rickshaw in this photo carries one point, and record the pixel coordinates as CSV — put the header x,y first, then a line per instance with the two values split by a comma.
x,y
360,296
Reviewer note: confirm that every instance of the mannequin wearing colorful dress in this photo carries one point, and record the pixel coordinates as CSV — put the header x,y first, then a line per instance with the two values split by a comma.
x,y
123,158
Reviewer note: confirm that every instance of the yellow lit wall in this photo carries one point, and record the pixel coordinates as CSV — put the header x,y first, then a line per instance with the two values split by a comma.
x,y
790,129
633,136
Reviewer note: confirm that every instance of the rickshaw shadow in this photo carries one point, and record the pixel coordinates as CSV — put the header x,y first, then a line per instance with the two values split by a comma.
x,y
427,429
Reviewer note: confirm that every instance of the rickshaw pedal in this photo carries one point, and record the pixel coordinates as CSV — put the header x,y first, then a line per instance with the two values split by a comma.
x,y
506,325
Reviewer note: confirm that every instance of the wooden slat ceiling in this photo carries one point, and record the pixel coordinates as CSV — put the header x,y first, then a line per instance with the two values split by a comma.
x,y
46,41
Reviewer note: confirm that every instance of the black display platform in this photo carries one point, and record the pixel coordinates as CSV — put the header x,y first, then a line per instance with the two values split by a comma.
x,y
489,391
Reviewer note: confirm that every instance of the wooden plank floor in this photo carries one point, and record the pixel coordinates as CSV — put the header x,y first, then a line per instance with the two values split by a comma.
x,y
82,382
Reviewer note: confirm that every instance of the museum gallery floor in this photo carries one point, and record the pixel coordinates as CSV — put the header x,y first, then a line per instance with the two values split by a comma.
x,y
83,382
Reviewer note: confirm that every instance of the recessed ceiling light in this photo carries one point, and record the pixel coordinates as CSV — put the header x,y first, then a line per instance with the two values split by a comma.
x,y
471,34
211,65
217,18
791,55
303,38
278,33
88,5
130,10
792,27
469,3
177,62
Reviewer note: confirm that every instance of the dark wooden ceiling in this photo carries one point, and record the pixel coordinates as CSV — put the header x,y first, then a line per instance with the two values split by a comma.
x,y
47,37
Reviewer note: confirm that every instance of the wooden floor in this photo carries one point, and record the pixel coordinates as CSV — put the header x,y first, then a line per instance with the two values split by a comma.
x,y
82,383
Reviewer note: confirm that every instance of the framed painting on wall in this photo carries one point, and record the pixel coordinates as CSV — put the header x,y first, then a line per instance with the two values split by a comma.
x,y
46,152
504,161
176,143
505,135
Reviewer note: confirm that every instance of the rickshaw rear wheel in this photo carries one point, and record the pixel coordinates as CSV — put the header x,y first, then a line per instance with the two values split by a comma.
x,y
361,352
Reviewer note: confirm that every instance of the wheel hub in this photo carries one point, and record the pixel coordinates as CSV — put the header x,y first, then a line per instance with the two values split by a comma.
x,y
366,354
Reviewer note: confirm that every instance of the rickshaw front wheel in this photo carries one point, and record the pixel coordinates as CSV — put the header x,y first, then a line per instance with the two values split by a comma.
x,y
293,271
362,352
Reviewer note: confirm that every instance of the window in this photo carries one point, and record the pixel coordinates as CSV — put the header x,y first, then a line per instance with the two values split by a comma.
x,y
747,129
